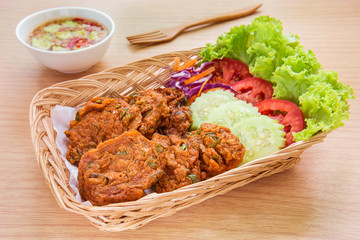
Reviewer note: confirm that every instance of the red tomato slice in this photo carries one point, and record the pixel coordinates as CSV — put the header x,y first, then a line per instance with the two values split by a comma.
x,y
231,70
253,90
286,112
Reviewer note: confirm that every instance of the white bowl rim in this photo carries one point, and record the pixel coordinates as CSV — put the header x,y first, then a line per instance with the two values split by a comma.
x,y
112,30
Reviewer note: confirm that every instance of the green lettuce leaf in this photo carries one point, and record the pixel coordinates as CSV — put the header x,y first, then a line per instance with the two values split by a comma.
x,y
324,105
294,72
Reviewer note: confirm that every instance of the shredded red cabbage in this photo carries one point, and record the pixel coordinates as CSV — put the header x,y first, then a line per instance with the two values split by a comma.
x,y
202,67
180,75
178,81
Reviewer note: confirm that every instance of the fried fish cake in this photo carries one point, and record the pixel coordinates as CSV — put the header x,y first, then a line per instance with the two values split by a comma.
x,y
174,97
101,119
119,169
179,120
220,150
182,165
199,155
154,109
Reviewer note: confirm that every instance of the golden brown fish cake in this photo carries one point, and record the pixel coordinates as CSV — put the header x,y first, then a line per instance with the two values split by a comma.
x,y
182,166
178,123
154,109
119,169
174,97
101,119
179,120
220,150
201,154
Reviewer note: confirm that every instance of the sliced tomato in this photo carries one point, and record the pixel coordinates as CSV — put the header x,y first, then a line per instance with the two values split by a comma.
x,y
286,113
253,90
231,70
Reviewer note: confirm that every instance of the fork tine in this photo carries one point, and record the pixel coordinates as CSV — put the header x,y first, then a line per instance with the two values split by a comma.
x,y
154,37
144,35
158,38
150,40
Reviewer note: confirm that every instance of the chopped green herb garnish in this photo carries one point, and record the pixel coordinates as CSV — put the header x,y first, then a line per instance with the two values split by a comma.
x,y
124,112
183,146
133,94
213,136
216,158
182,102
208,133
123,153
194,178
159,148
127,116
152,164
77,116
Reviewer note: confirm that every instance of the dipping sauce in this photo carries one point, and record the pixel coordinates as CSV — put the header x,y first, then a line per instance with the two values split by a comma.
x,y
67,34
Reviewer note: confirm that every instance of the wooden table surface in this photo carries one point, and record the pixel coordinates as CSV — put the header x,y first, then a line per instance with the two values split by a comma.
x,y
317,199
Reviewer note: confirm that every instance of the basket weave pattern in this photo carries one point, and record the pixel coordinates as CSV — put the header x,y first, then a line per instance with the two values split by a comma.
x,y
143,74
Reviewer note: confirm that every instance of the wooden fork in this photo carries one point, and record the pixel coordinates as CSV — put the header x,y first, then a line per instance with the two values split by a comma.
x,y
167,34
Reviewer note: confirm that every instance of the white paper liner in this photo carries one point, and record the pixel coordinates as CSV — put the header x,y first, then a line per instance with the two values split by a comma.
x,y
61,118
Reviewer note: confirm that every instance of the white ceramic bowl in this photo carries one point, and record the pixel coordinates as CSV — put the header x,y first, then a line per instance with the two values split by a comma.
x,y
69,61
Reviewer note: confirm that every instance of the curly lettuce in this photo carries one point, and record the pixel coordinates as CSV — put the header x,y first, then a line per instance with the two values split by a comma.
x,y
324,104
294,72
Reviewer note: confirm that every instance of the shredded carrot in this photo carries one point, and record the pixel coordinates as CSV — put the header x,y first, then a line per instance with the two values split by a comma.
x,y
187,65
202,87
192,99
197,77
212,89
176,64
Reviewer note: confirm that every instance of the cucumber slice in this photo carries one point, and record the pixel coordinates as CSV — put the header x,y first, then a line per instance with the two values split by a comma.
x,y
260,135
205,104
232,112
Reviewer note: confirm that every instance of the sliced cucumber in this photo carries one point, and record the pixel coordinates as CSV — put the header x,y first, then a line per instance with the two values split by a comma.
x,y
230,113
260,135
203,105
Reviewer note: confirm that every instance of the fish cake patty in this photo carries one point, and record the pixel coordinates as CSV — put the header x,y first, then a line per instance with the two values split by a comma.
x,y
163,110
101,119
182,165
153,107
201,154
179,120
119,169
220,150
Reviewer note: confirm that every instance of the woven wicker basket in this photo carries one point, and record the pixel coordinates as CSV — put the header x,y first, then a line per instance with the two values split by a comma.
x,y
143,74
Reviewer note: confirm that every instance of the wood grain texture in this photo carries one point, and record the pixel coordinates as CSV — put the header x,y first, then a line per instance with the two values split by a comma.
x,y
318,199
